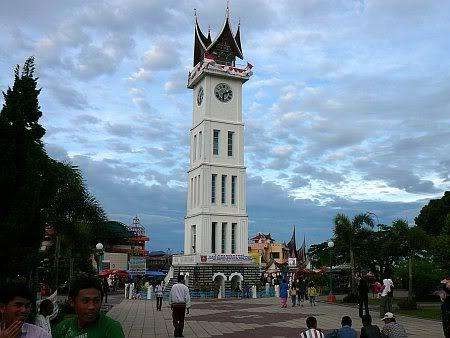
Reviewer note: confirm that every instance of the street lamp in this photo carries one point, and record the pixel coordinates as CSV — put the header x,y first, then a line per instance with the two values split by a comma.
x,y
331,298
99,255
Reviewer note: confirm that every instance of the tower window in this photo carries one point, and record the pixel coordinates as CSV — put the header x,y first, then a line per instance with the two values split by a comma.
x,y
233,189
224,189
224,236
213,188
230,143
192,192
200,145
194,238
213,237
195,147
233,237
216,133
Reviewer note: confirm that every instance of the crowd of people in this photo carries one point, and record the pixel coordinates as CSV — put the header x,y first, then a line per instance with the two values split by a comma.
x,y
390,329
87,294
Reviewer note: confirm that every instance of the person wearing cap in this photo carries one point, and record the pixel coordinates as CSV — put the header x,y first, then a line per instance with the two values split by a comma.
x,y
391,328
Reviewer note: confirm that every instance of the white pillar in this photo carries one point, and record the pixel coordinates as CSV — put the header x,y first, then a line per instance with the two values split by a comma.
x,y
254,291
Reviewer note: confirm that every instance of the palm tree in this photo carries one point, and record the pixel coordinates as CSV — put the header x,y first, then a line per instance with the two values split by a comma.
x,y
346,231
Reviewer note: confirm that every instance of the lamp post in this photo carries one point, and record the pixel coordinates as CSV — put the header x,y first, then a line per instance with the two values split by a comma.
x,y
331,298
99,256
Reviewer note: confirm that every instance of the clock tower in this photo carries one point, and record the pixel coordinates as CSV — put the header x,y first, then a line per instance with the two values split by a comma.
x,y
216,222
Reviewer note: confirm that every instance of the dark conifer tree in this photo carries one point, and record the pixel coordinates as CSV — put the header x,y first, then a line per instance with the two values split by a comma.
x,y
22,167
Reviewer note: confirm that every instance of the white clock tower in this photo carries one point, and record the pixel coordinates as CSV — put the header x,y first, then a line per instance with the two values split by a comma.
x,y
216,221
216,224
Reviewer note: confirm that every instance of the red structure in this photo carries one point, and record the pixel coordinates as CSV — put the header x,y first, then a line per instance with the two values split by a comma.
x,y
136,243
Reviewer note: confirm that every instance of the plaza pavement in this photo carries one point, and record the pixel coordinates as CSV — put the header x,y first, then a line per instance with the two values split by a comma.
x,y
247,318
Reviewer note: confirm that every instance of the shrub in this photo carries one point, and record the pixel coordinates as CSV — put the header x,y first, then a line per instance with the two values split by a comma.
x,y
407,304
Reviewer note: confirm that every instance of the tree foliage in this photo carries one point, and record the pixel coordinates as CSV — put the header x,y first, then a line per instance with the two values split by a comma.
x,y
434,218
38,192
386,249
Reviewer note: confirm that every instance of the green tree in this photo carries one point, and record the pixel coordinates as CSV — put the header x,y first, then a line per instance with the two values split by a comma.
x,y
319,255
434,217
346,234
22,166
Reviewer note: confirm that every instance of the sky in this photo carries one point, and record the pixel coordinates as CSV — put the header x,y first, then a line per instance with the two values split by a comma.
x,y
348,110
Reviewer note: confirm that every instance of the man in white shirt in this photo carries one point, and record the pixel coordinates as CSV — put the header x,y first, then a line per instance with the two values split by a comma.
x,y
180,302
386,296
312,332
15,307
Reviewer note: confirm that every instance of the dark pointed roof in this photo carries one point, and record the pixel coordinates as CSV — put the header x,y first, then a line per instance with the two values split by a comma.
x,y
201,43
226,38
224,49
237,37
292,246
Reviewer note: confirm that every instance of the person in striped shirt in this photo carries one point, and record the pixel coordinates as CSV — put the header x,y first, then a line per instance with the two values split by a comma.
x,y
311,332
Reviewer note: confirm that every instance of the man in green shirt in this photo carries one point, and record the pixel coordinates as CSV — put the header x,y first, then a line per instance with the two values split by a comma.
x,y
86,295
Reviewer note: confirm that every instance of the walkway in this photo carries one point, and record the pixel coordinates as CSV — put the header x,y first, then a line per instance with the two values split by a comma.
x,y
246,318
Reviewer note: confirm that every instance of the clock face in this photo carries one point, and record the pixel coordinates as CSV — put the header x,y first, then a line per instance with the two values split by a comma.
x,y
223,92
200,96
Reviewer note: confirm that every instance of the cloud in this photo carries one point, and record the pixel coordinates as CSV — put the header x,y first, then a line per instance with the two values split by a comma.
x,y
163,55
347,110
69,97
86,119
141,75
119,129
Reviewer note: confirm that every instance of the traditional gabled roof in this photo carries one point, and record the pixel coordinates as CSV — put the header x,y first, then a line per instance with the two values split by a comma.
x,y
237,37
201,43
292,246
226,38
262,236
225,48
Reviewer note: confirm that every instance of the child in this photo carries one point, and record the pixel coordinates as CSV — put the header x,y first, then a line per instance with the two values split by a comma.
x,y
47,312
312,294
293,293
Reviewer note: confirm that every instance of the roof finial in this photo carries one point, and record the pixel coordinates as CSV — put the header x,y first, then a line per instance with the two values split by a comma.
x,y
195,13
228,8
239,21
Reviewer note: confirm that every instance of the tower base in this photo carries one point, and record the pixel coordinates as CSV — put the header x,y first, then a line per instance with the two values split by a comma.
x,y
220,274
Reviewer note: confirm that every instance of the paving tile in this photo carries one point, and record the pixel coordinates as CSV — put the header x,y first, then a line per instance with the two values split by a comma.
x,y
245,318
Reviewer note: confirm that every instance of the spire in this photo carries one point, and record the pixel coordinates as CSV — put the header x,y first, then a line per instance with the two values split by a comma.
x,y
292,246
237,37
209,35
201,42
226,46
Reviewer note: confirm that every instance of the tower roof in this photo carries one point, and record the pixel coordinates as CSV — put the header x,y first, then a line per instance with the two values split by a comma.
x,y
292,246
225,47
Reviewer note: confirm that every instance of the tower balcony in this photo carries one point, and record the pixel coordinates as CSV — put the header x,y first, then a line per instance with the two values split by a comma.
x,y
209,66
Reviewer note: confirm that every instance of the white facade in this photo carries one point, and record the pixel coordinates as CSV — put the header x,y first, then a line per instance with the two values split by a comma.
x,y
216,221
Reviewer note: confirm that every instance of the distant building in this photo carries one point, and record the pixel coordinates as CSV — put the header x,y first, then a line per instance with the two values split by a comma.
x,y
267,249
159,261
135,245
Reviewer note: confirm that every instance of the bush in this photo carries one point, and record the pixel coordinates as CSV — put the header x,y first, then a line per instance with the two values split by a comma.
x,y
407,304
426,276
